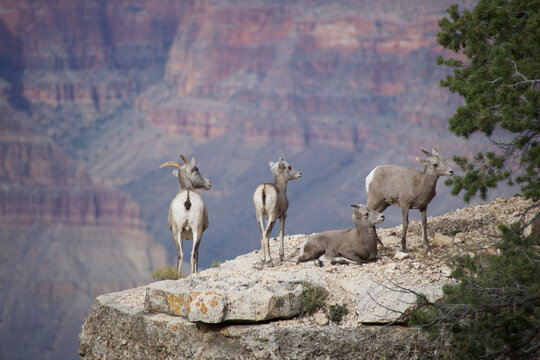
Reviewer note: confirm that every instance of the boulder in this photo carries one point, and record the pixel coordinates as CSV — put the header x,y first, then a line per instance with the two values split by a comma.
x,y
442,240
382,303
229,298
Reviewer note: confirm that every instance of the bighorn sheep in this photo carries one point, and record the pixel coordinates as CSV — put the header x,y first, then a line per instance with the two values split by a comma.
x,y
271,202
188,217
353,245
407,188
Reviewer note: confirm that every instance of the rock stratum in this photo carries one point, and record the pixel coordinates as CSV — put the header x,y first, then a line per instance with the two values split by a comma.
x,y
64,240
240,311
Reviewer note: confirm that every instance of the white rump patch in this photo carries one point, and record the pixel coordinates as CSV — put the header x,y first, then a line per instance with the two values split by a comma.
x,y
369,179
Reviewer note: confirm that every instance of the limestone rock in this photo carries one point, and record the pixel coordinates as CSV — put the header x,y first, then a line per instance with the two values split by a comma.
x,y
385,302
442,240
459,238
401,255
390,240
320,319
118,328
228,299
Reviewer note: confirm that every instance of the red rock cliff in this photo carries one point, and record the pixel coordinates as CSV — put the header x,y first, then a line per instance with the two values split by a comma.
x,y
289,69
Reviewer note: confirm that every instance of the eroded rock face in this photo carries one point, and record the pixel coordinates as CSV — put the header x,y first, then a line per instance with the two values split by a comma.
x,y
227,299
118,327
237,291
166,319
227,295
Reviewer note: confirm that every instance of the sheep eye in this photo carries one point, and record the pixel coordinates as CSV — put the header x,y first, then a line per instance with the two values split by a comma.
x,y
195,169
436,165
290,167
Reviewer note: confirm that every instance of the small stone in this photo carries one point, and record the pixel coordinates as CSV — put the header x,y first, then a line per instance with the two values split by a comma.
x,y
390,240
320,319
459,238
442,240
401,255
446,271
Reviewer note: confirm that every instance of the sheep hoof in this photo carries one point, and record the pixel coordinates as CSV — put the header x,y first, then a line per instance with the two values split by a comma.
x,y
318,263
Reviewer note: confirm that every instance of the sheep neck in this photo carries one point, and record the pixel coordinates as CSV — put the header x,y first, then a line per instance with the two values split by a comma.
x,y
361,229
184,182
429,178
281,182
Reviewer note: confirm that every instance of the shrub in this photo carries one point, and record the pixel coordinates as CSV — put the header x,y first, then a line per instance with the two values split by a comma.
x,y
337,312
166,273
313,297
215,264
494,310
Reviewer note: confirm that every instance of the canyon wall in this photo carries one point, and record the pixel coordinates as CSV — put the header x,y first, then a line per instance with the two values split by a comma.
x,y
64,241
94,95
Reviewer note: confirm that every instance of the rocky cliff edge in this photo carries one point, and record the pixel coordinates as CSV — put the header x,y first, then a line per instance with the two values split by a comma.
x,y
238,311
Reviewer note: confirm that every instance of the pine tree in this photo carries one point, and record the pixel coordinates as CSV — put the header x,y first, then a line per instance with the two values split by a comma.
x,y
493,312
497,73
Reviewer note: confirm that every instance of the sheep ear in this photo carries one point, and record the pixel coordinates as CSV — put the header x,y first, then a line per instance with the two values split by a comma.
x,y
423,161
272,165
356,206
192,161
426,152
435,152
175,173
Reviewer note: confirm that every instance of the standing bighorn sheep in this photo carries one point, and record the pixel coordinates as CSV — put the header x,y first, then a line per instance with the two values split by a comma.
x,y
407,189
270,200
188,217
353,245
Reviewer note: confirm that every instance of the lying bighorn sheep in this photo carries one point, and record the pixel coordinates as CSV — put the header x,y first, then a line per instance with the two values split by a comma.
x,y
353,245
271,202
188,217
407,188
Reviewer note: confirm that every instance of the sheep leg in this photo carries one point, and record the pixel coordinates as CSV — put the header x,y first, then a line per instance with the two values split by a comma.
x,y
405,216
197,234
423,218
267,258
260,221
345,261
349,254
281,234
310,251
179,252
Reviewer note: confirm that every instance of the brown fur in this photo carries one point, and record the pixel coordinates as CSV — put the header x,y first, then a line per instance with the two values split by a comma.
x,y
357,244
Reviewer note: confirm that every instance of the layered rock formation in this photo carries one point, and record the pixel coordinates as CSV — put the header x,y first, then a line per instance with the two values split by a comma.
x,y
64,241
293,67
126,331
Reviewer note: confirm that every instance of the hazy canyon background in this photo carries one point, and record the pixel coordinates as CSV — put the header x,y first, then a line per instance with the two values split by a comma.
x,y
96,94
